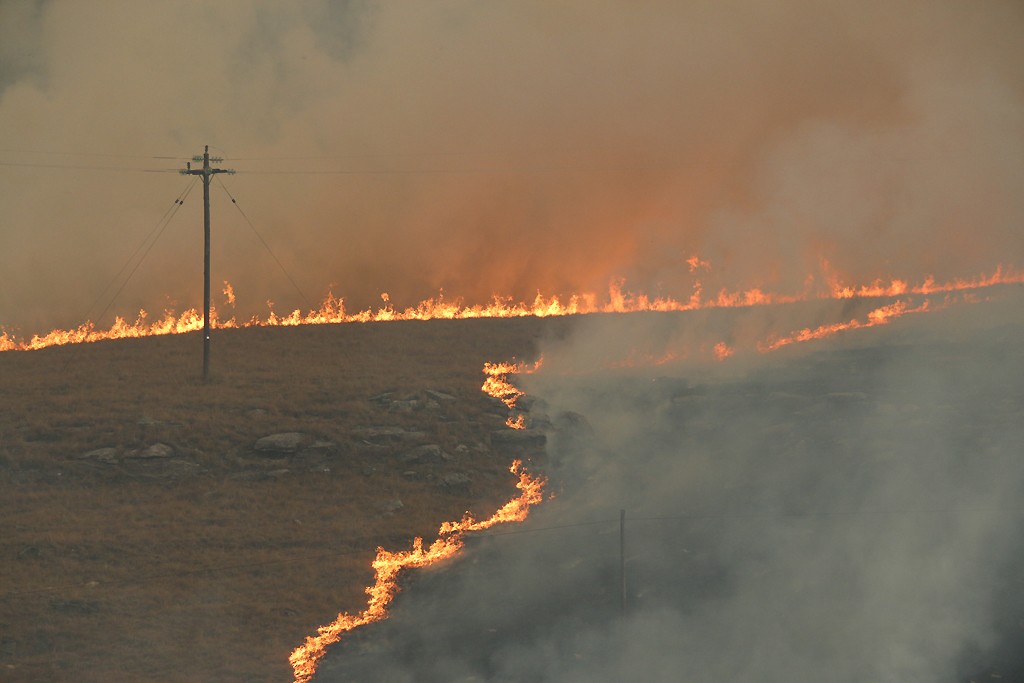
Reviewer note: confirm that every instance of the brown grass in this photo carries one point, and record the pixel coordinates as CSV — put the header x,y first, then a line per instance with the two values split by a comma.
x,y
216,563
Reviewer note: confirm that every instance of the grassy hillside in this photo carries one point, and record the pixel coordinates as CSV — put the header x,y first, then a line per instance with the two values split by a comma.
x,y
144,537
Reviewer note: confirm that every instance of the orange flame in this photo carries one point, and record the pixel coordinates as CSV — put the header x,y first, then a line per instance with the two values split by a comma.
x,y
332,310
387,566
879,316
696,262
519,422
896,287
497,385
723,351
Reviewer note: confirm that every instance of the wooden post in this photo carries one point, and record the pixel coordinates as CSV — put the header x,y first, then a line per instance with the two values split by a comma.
x,y
207,173
622,556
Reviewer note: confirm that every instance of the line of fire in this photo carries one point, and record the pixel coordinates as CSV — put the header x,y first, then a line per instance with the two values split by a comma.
x,y
906,298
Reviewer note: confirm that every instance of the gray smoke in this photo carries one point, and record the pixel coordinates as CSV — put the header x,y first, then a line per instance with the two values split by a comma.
x,y
846,511
502,148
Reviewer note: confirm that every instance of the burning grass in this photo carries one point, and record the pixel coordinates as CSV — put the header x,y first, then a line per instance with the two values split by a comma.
x,y
215,562
208,559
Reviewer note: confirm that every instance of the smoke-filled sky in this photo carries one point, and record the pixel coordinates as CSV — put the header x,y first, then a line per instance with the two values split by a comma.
x,y
502,147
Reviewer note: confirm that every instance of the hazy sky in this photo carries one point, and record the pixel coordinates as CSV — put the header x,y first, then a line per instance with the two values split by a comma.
x,y
502,147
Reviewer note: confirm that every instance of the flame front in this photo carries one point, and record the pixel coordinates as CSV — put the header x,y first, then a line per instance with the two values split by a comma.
x,y
332,310
879,316
388,565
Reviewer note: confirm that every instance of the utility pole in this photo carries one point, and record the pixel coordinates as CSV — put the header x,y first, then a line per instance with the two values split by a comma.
x,y
207,173
622,558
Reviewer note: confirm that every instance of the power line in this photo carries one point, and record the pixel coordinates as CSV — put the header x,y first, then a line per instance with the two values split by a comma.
x,y
481,170
337,157
159,230
266,246
89,154
83,167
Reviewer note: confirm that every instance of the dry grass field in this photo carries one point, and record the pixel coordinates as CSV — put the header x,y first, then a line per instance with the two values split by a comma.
x,y
206,559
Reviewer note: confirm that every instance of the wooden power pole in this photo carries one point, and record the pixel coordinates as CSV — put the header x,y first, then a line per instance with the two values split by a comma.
x,y
207,173
622,558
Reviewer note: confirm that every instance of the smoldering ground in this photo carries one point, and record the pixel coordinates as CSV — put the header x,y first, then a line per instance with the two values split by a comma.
x,y
848,512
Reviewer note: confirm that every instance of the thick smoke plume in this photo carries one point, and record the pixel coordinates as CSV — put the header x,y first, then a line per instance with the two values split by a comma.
x,y
502,148
846,511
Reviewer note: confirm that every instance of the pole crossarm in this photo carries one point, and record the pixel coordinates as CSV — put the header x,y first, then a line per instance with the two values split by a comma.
x,y
207,172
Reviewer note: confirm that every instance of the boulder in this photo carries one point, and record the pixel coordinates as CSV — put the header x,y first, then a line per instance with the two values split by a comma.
x,y
107,455
456,482
440,396
285,442
157,450
407,406
391,505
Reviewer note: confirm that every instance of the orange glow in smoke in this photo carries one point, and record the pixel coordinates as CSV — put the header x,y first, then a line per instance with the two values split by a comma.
x,y
723,351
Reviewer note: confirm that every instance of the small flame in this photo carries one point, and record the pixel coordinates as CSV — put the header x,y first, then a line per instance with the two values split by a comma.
x,y
497,385
229,293
518,423
696,263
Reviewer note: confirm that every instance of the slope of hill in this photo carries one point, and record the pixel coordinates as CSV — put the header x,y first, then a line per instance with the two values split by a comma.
x,y
148,533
